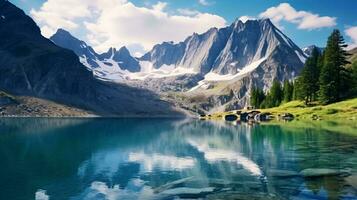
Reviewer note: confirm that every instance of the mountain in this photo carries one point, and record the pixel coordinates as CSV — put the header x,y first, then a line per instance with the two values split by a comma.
x,y
308,50
121,58
221,66
31,65
226,51
64,39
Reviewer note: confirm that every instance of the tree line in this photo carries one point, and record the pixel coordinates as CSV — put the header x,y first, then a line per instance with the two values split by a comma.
x,y
326,77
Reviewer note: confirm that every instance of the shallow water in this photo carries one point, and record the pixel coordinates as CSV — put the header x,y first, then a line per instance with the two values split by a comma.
x,y
171,159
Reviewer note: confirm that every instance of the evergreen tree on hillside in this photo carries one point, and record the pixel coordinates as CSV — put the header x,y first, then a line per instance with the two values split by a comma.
x,y
354,79
309,78
328,92
267,102
288,91
257,97
334,77
297,89
276,93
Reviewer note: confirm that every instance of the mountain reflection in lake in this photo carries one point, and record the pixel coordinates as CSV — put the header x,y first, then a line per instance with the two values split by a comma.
x,y
170,159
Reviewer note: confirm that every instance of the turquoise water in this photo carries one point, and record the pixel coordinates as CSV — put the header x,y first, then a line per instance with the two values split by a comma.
x,y
172,159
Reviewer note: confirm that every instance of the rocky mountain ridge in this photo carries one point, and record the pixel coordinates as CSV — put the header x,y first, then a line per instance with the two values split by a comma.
x,y
31,65
233,59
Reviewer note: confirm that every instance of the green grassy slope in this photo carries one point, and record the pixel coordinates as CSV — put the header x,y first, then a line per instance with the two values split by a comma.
x,y
338,111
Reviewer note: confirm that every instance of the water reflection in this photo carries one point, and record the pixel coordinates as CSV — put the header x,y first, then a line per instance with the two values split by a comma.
x,y
166,159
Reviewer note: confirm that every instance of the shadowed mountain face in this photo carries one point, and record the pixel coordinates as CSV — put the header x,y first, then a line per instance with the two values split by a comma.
x,y
92,59
32,65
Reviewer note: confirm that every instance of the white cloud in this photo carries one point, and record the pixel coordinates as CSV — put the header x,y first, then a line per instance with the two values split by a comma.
x,y
304,19
352,33
107,23
188,12
204,2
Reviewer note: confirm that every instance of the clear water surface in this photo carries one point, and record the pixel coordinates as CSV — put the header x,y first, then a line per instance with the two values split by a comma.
x,y
174,159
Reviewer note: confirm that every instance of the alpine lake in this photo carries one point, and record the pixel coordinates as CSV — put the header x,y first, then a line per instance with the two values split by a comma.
x,y
106,158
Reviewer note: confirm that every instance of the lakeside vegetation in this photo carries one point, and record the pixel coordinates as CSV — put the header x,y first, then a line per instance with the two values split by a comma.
x,y
341,111
344,110
326,89
328,77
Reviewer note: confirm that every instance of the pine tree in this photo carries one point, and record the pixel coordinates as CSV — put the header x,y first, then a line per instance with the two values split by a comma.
x,y
309,78
288,91
328,92
253,97
257,97
267,102
354,79
276,93
334,77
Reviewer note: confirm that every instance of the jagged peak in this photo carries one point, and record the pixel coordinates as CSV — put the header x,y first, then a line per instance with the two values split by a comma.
x,y
238,21
123,50
265,20
63,32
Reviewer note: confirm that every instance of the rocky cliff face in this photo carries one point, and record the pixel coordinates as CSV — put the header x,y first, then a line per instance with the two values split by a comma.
x,y
228,50
308,50
92,59
218,67
34,66
228,62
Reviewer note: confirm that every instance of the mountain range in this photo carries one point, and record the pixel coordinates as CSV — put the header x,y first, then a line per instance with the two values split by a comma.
x,y
204,73
235,58
32,65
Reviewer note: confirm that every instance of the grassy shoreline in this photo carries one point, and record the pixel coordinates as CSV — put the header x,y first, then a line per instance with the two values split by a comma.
x,y
344,110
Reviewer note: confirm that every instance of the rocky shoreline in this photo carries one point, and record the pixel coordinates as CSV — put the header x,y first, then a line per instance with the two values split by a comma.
x,y
248,116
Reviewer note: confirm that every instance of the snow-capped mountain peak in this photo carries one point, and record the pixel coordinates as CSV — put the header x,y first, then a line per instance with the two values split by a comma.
x,y
121,58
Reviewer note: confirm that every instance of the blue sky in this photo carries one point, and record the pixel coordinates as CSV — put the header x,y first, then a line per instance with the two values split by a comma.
x,y
342,13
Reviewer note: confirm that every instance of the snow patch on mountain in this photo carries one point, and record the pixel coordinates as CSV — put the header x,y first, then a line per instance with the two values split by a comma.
x,y
286,40
109,70
214,77
301,57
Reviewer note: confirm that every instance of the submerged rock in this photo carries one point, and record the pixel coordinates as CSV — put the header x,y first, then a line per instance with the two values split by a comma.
x,y
243,116
352,181
317,172
287,116
282,173
263,117
231,118
186,191
172,184
233,195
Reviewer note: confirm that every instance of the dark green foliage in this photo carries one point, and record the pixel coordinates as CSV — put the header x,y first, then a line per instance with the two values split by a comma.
x,y
274,97
328,92
334,77
288,89
309,78
276,93
354,79
257,97
298,89
268,102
